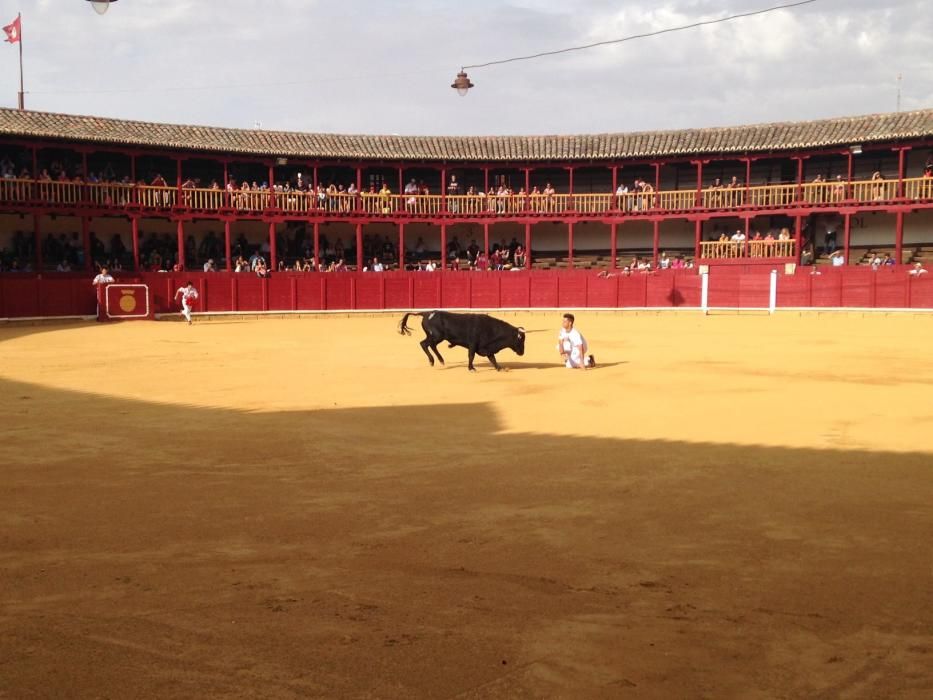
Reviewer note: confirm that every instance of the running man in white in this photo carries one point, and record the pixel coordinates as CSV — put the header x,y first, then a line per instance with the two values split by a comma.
x,y
572,346
188,296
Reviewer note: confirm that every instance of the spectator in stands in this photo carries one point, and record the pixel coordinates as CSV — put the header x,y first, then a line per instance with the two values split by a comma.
x,y
209,265
837,258
664,262
572,346
103,278
63,266
520,259
875,260
377,266
877,186
482,262
918,270
887,260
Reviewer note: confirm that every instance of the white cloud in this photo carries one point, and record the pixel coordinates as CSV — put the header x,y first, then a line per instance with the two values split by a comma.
x,y
384,68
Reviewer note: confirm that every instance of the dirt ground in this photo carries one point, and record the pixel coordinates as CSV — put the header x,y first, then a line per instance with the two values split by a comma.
x,y
727,507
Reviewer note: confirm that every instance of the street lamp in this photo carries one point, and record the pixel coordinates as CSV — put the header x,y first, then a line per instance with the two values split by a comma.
x,y
462,84
101,6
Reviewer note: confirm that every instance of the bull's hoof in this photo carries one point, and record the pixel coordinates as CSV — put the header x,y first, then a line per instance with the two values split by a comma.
x,y
471,369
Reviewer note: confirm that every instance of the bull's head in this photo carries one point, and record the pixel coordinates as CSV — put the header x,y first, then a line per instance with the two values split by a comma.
x,y
518,344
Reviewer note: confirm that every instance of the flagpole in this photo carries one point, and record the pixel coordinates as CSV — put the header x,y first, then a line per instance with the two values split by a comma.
x,y
19,18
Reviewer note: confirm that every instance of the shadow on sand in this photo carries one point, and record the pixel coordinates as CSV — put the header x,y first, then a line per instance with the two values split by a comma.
x,y
202,551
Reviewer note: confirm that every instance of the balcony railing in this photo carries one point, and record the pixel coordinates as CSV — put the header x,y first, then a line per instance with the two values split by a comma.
x,y
378,204
725,250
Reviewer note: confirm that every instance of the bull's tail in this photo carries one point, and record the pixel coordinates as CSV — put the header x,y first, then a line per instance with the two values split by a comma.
x,y
403,327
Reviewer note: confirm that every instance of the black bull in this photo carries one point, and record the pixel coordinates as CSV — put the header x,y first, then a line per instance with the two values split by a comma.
x,y
480,334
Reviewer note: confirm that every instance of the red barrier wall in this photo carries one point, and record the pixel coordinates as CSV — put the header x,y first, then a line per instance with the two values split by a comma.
x,y
25,295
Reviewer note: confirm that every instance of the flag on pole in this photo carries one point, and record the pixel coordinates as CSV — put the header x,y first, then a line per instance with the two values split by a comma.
x,y
14,31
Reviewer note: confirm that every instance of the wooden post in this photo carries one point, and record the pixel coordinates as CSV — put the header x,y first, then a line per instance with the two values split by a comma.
x,y
527,246
227,248
899,237
401,246
273,253
847,237
134,232
181,243
656,243
613,234
37,242
86,242
317,245
443,247
697,237
359,247
570,245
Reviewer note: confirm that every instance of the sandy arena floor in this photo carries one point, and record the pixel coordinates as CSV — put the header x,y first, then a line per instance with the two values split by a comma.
x,y
727,507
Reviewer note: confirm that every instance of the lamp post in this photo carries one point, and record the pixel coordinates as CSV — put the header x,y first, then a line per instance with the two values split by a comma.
x,y
101,6
462,83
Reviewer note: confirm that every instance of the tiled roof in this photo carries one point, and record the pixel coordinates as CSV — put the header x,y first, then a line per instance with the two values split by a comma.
x,y
756,138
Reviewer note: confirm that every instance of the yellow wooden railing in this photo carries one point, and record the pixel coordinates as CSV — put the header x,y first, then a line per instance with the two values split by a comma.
x,y
381,204
748,249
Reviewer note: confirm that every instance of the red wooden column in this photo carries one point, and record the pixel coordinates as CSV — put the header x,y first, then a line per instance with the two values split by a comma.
x,y
898,237
273,253
86,241
314,184
35,163
37,242
527,246
570,245
227,248
847,237
613,235
572,203
849,180
271,187
798,226
657,185
355,204
359,247
134,232
748,180
901,163
486,240
748,230
401,180
799,160
443,246
181,243
699,164
444,208
486,187
83,194
401,246
697,237
656,243
178,199
316,235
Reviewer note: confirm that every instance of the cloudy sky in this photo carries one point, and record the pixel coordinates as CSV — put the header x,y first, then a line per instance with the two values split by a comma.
x,y
386,67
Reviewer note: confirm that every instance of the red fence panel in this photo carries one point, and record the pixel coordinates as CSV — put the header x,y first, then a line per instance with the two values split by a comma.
x,y
602,292
218,294
455,290
515,290
484,290
724,289
338,293
571,291
427,290
855,290
280,293
398,290
543,291
310,292
890,290
20,296
688,291
249,293
659,291
633,291
754,291
793,291
369,290
921,291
